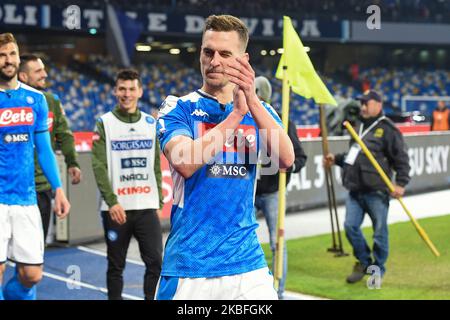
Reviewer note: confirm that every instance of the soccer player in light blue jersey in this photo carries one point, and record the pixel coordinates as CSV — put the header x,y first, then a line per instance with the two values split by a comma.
x,y
212,138
23,127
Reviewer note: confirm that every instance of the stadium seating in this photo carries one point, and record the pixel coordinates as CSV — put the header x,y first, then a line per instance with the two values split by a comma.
x,y
86,98
393,10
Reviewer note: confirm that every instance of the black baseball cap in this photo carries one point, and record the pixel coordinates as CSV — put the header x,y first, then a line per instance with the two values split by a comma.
x,y
370,95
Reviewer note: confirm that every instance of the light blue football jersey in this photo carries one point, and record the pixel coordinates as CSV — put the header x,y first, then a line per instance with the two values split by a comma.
x,y
23,112
212,219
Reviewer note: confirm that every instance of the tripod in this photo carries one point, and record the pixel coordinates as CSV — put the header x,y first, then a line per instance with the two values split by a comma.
x,y
336,247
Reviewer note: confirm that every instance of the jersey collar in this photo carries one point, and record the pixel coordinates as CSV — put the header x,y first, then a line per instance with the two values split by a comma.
x,y
208,96
18,86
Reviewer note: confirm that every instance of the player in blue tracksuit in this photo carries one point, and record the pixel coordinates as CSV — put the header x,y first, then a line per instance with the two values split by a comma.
x,y
23,127
212,138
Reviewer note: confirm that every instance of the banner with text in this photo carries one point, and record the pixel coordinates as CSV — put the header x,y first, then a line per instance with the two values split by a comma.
x,y
74,17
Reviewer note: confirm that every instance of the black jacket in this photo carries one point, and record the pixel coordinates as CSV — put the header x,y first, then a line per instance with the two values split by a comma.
x,y
269,183
386,143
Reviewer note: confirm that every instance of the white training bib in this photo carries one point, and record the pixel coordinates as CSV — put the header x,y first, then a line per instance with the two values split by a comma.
x,y
130,150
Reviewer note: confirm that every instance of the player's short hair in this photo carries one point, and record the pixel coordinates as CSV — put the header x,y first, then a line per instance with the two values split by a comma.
x,y
6,38
128,74
25,58
227,23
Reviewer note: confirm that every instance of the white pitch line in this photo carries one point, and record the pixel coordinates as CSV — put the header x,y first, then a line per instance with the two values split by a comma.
x,y
290,295
75,283
103,254
79,283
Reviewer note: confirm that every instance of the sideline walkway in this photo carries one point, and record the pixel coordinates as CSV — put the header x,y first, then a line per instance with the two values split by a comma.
x,y
315,222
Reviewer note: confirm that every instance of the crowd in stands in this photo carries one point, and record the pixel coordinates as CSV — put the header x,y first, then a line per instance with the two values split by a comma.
x,y
85,98
394,10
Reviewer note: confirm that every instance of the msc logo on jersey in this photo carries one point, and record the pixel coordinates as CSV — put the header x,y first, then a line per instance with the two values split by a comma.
x,y
16,137
129,163
124,145
236,171
21,116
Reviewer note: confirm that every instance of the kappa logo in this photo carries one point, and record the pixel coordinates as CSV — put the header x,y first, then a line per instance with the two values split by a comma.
x,y
199,113
15,138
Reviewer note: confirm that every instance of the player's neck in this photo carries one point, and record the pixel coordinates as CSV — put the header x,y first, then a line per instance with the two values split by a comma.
x,y
9,85
130,110
223,94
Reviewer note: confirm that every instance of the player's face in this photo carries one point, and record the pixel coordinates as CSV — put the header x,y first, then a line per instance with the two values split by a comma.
x,y
35,74
9,61
128,92
218,48
370,109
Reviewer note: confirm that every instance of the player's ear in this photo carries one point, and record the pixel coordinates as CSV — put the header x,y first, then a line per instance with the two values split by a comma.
x,y
23,77
247,56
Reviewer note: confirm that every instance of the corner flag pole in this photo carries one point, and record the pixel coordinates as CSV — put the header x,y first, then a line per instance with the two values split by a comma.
x,y
388,182
278,271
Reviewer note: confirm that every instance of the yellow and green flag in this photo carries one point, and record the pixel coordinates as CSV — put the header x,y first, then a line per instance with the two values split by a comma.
x,y
302,76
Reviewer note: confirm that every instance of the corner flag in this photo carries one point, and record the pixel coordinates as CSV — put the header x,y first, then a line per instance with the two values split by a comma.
x,y
300,72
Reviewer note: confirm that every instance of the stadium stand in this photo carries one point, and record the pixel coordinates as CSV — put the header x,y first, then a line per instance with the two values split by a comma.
x,y
86,95
393,10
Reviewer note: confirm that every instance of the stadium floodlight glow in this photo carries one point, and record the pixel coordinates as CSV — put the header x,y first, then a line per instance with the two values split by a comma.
x,y
191,49
307,49
174,51
272,52
280,50
143,47
263,52
424,55
93,31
